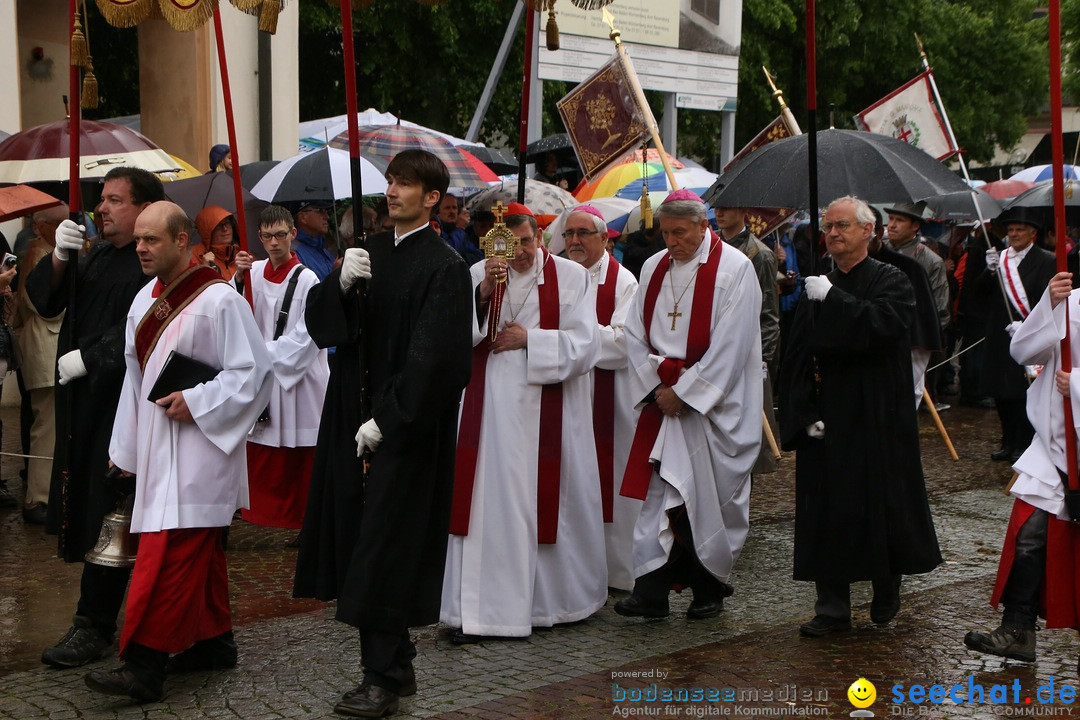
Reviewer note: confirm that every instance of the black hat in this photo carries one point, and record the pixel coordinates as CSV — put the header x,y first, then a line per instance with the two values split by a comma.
x,y
1023,215
911,210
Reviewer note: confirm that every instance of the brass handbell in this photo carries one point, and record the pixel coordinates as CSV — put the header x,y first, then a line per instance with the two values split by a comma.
x,y
116,546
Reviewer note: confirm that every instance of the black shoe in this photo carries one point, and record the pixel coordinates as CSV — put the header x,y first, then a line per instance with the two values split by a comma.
x,y
637,606
124,682
701,609
216,653
81,644
883,608
822,625
1011,642
459,637
1002,454
35,514
368,701
408,682
7,500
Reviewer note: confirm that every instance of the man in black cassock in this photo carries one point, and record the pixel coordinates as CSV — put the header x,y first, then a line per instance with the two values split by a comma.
x,y
1023,270
378,543
90,363
861,511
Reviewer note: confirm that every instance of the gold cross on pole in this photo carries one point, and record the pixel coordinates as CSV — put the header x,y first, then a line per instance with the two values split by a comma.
x,y
498,210
674,314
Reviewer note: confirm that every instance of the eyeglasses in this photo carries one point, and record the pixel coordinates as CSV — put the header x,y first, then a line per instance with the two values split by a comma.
x,y
840,225
581,232
279,235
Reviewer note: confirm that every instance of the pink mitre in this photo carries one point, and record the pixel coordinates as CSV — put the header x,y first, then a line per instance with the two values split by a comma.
x,y
684,194
591,210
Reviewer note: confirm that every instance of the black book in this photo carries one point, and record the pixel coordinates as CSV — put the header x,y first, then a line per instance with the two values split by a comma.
x,y
180,372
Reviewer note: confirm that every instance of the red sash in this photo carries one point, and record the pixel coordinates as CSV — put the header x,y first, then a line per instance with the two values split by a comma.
x,y
638,466
549,457
604,396
171,300
1023,309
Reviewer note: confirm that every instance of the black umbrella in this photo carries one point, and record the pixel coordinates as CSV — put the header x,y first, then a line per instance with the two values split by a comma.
x,y
1041,199
960,206
500,161
558,144
194,194
875,168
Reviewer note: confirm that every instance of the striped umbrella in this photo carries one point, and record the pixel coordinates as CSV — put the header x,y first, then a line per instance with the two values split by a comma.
x,y
697,179
386,141
544,199
1039,173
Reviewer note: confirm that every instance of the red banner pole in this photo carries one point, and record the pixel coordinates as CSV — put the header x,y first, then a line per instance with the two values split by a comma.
x,y
1057,150
230,121
74,118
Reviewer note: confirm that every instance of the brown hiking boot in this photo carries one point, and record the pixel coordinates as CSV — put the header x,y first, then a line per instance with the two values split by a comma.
x,y
1007,641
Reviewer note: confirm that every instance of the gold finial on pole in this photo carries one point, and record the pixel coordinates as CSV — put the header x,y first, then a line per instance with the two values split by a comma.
x,y
922,51
609,20
777,94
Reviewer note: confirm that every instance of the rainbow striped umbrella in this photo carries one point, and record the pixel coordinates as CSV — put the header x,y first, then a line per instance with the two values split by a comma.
x,y
611,181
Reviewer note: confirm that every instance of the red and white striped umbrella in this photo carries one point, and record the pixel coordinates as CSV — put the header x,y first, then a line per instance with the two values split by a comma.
x,y
40,154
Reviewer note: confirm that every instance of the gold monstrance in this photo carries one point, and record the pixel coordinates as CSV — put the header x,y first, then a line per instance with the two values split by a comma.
x,y
499,242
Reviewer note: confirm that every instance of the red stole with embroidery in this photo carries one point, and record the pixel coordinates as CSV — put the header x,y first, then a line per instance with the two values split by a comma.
x,y
638,466
171,301
549,456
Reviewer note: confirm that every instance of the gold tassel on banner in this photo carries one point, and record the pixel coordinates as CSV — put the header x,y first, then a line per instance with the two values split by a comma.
x,y
125,13
268,15
646,206
89,87
185,15
552,28
79,52
251,7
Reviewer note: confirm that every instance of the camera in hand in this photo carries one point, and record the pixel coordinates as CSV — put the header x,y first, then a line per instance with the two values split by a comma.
x,y
9,261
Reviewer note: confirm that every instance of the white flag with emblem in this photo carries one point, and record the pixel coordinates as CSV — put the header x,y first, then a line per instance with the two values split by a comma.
x,y
909,114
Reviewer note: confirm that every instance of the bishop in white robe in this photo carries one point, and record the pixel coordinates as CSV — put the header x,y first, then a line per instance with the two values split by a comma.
x,y
527,541
694,346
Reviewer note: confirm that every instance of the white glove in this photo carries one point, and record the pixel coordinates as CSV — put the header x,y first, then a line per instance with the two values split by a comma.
x,y
70,365
817,287
368,437
69,237
1012,327
993,259
355,265
816,430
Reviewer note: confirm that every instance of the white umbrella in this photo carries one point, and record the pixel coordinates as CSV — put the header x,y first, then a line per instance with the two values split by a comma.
x,y
615,212
322,175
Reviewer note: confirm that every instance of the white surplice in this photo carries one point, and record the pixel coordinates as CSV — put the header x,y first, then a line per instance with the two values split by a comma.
x,y
619,533
499,581
1037,342
192,475
300,369
706,455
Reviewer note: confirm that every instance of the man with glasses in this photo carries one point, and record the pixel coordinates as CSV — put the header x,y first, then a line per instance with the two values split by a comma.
x,y
312,233
846,383
527,538
281,446
611,292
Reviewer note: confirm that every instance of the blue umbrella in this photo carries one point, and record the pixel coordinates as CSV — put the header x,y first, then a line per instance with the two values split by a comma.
x,y
1038,173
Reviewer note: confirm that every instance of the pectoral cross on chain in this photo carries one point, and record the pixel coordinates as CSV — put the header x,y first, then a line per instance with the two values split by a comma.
x,y
674,314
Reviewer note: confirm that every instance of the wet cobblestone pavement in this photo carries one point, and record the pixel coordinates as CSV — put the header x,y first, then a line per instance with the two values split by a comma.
x,y
296,660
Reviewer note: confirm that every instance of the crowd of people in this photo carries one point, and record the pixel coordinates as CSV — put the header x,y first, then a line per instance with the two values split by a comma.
x,y
495,441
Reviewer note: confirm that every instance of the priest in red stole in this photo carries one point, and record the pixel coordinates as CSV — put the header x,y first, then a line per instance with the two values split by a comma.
x,y
611,292
1037,574
281,446
694,344
186,450
526,529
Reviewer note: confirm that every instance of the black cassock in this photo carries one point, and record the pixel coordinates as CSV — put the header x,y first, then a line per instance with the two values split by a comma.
x,y
925,330
108,280
861,509
380,547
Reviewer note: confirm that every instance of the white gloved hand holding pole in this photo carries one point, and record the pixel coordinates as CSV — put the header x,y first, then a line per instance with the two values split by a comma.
x,y
817,287
993,259
368,437
70,366
355,265
816,430
69,238
1012,327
